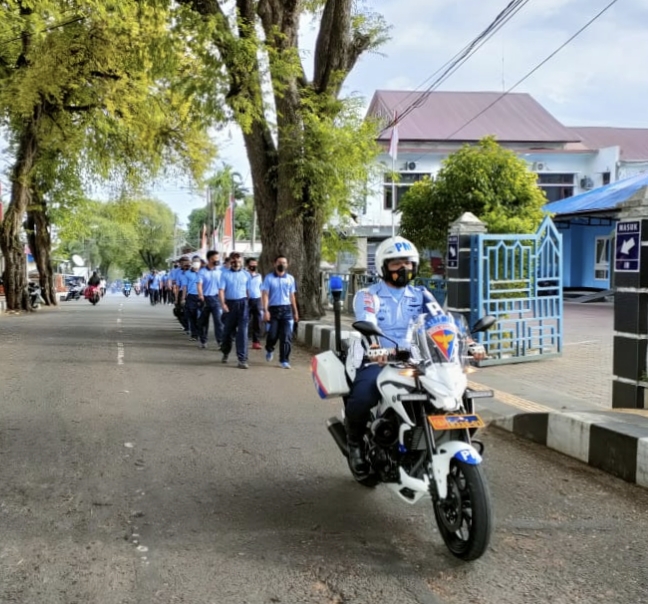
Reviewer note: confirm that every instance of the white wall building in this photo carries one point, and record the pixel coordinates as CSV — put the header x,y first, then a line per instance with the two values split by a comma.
x,y
568,161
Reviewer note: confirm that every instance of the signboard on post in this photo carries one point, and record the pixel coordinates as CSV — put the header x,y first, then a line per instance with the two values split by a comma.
x,y
627,257
452,260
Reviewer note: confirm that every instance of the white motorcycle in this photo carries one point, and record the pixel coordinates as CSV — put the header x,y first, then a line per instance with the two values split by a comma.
x,y
419,439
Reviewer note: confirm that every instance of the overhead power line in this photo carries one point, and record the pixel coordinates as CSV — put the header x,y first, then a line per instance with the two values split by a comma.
x,y
50,28
538,66
451,66
530,73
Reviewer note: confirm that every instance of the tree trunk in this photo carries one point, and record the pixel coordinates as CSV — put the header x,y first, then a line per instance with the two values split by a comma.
x,y
13,250
40,242
287,225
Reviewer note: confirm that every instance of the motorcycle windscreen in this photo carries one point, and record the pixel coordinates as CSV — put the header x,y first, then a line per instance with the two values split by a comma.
x,y
440,339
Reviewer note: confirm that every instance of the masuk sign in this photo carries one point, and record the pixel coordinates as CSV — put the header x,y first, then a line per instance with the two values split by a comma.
x,y
627,257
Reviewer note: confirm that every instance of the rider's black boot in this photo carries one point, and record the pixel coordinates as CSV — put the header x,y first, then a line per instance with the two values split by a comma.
x,y
355,435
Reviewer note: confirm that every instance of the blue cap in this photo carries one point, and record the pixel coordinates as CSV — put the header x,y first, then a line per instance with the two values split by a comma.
x,y
335,284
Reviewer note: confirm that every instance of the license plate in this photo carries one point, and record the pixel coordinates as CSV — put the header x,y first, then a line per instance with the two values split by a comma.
x,y
455,422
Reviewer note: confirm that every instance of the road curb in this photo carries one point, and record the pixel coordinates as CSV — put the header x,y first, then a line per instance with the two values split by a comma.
x,y
606,440
611,441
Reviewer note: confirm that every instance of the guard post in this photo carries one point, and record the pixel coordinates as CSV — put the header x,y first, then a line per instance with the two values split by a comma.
x,y
630,379
459,262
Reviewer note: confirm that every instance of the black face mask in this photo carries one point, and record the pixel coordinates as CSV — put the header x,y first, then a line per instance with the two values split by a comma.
x,y
281,268
401,277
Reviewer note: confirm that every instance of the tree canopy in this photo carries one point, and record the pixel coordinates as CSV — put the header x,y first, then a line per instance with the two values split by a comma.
x,y
491,182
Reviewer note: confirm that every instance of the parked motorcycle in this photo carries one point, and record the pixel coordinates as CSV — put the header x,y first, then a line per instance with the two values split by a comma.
x,y
419,439
93,294
126,289
35,299
74,292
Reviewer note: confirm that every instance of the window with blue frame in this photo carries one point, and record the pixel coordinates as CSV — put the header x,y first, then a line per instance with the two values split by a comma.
x,y
602,259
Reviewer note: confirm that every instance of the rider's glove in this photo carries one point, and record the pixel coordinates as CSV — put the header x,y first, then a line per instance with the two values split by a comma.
x,y
477,351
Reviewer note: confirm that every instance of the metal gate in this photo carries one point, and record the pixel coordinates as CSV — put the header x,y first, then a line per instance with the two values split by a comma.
x,y
518,279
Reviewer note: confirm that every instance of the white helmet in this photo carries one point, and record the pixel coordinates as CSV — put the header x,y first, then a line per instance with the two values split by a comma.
x,y
392,248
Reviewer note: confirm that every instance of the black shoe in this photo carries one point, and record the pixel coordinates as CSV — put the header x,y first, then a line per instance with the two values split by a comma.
x,y
355,435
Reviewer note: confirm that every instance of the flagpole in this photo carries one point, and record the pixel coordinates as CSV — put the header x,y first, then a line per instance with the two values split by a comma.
x,y
393,196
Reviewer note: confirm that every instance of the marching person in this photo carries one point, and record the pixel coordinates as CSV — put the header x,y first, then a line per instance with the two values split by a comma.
x,y
234,293
280,310
208,289
254,303
193,304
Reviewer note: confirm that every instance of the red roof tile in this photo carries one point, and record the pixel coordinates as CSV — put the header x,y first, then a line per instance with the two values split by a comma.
x,y
517,117
633,141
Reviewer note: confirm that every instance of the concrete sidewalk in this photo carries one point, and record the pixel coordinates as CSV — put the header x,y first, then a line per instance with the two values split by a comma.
x,y
564,403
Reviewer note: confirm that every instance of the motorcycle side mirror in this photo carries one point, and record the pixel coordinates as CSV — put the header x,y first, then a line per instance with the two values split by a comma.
x,y
366,328
484,323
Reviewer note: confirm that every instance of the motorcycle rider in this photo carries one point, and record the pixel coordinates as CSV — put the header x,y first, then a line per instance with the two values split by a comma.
x,y
394,305
95,280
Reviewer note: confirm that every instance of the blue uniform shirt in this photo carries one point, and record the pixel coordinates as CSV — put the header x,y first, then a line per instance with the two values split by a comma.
x,y
155,282
191,281
234,283
394,310
279,288
173,274
210,280
255,285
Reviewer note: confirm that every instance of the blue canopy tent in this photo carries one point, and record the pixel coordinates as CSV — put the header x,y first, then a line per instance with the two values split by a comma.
x,y
587,222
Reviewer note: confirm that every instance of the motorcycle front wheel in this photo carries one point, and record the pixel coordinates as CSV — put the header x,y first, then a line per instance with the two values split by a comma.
x,y
465,517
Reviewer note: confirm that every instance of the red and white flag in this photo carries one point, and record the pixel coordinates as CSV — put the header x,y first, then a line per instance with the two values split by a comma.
x,y
393,140
203,243
228,229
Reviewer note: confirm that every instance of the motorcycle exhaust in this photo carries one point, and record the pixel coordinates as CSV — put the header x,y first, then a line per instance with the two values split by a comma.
x,y
336,428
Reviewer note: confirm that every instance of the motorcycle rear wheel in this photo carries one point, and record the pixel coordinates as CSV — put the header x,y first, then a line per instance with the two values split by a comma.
x,y
465,517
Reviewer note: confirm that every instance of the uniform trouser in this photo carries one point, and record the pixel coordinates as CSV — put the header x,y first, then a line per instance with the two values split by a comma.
x,y
211,309
236,320
193,308
256,318
154,295
180,312
163,295
171,296
281,328
364,393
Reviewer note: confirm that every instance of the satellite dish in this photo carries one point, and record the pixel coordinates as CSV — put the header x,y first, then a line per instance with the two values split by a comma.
x,y
78,261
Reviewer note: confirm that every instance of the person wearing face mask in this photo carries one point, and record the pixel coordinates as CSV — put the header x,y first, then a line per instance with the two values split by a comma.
x,y
254,303
190,292
208,286
280,310
393,304
234,290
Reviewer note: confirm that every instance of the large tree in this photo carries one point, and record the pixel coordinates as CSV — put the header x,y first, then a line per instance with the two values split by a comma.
x,y
491,182
99,83
309,151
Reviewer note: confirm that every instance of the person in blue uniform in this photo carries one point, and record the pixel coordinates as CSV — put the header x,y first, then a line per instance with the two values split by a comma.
x,y
208,287
254,303
193,305
280,310
234,293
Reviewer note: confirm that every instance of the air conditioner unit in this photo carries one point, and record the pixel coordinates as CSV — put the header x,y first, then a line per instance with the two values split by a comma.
x,y
586,183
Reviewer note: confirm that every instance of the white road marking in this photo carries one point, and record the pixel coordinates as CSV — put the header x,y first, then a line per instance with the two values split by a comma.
x,y
129,445
120,353
118,321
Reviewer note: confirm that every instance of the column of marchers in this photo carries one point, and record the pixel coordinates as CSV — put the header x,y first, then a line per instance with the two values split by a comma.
x,y
631,303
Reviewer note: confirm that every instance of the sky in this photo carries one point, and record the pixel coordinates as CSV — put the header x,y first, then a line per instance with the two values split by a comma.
x,y
599,79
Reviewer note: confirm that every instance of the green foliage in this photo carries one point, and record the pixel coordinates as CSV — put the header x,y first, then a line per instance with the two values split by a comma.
x,y
338,156
485,179
133,235
334,243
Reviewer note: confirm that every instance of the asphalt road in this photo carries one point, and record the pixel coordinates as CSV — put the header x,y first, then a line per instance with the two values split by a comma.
x,y
135,468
